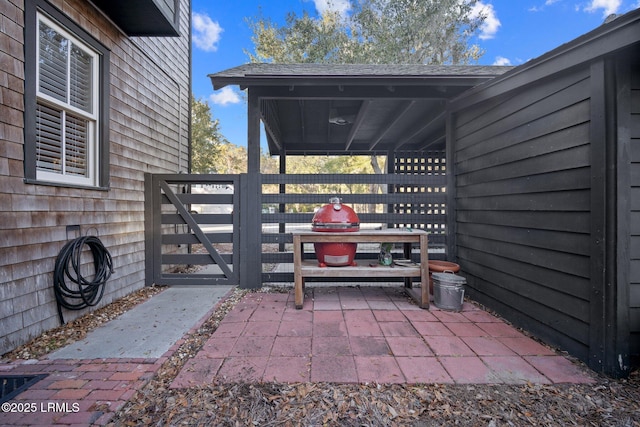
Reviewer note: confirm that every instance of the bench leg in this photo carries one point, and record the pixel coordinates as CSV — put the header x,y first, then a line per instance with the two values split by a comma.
x,y
299,292
298,254
406,249
424,272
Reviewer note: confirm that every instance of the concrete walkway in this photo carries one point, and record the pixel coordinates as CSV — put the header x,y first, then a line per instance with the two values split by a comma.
x,y
150,329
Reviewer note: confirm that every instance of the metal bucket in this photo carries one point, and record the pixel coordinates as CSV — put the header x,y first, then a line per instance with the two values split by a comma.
x,y
448,291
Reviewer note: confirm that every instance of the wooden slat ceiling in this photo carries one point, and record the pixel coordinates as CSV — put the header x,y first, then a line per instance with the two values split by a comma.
x,y
352,109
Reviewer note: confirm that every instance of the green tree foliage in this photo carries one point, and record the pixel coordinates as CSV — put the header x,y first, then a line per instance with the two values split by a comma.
x,y
415,31
211,152
376,31
231,159
323,165
302,39
206,138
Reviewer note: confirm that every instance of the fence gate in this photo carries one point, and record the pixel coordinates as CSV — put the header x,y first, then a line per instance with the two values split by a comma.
x,y
189,229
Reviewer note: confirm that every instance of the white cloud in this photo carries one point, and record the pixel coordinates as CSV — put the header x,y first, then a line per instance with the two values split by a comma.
x,y
340,6
608,6
225,96
501,60
206,32
542,8
491,22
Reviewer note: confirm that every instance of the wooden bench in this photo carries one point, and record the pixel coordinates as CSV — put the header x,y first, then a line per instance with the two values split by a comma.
x,y
366,268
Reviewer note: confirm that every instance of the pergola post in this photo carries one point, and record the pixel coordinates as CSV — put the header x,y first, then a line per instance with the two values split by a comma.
x,y
282,190
391,170
250,268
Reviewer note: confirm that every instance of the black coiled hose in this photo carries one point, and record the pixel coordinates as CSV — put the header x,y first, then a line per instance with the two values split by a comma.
x,y
86,293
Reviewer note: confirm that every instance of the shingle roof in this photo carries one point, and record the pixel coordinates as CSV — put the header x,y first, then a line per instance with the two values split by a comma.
x,y
387,70
262,72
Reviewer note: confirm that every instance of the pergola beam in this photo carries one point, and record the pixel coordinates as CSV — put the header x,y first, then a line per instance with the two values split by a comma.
x,y
406,106
436,120
362,113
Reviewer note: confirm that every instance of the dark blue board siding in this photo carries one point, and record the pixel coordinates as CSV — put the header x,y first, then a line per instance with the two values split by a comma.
x,y
634,292
522,172
544,195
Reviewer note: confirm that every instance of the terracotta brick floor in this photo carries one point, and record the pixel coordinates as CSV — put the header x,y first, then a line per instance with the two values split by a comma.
x,y
85,392
370,334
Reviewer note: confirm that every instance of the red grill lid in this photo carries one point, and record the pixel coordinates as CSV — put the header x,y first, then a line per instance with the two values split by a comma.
x,y
335,217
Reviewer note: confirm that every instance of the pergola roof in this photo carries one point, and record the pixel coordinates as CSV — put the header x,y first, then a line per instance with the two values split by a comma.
x,y
354,108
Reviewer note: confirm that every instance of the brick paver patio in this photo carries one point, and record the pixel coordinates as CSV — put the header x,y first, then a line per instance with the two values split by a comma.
x,y
370,334
342,335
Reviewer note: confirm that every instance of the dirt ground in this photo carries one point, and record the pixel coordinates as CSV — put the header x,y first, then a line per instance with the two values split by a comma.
x,y
606,402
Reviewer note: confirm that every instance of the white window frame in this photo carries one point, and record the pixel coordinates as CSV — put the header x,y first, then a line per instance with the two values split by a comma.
x,y
93,117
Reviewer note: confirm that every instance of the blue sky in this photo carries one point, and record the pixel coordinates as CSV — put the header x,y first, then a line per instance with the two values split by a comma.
x,y
515,32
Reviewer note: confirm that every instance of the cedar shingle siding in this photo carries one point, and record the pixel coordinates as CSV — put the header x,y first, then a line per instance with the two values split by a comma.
x,y
148,132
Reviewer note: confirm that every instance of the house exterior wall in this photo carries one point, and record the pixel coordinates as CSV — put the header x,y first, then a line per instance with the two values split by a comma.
x,y
634,198
522,206
545,178
149,92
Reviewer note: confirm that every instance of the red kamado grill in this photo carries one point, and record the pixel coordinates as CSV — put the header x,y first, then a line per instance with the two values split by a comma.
x,y
335,217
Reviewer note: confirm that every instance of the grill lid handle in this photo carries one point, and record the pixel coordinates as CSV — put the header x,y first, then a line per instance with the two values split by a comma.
x,y
336,202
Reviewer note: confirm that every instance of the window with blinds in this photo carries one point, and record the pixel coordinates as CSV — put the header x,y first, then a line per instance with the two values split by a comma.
x,y
66,117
